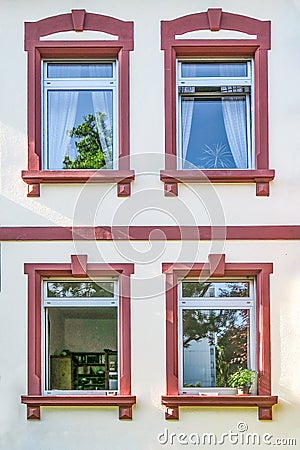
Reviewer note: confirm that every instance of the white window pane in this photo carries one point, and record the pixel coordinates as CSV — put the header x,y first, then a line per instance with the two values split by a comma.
x,y
215,344
214,132
82,348
208,69
80,70
79,131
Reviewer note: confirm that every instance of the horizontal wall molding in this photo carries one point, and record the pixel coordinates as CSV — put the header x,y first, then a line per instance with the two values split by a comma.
x,y
156,233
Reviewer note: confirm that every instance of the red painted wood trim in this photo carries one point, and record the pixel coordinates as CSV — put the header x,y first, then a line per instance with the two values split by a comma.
x,y
228,21
124,335
217,176
171,335
214,16
224,400
79,265
216,265
263,402
34,31
78,400
216,19
35,273
77,176
37,49
263,333
144,233
78,18
261,272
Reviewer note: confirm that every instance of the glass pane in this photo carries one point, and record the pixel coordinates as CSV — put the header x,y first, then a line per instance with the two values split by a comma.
x,y
80,129
82,348
215,345
76,70
214,132
207,69
80,289
215,289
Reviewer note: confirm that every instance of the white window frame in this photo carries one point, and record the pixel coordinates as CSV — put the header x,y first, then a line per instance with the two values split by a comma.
x,y
206,303
49,84
217,81
88,302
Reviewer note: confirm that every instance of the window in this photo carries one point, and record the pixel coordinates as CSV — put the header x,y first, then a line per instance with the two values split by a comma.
x,y
214,114
217,320
79,336
216,334
216,102
78,102
80,108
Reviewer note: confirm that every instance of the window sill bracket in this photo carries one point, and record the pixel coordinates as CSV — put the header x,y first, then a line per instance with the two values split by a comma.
x,y
34,403
263,402
34,178
261,177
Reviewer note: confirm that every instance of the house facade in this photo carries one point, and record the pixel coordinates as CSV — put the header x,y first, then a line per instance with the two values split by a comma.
x,y
149,224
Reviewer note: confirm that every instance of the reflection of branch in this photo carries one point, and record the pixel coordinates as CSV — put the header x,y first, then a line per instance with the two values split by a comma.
x,y
93,140
216,156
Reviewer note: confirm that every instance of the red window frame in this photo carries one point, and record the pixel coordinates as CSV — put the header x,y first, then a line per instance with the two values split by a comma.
x,y
217,267
215,20
77,20
78,268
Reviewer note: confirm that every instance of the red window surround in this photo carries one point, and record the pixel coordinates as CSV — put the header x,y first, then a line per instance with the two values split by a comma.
x,y
78,268
215,20
217,267
77,20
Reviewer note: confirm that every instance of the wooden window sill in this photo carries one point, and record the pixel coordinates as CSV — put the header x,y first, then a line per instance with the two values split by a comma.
x,y
261,177
36,177
263,402
34,402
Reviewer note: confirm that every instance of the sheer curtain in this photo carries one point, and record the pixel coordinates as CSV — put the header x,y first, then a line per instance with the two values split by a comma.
x,y
62,110
234,114
62,107
187,109
102,103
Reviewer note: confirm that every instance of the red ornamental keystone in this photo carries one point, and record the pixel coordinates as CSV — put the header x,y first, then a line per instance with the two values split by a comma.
x,y
78,16
214,19
78,265
216,265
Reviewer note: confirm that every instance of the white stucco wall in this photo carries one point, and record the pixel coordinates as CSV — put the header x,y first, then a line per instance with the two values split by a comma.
x,y
65,428
147,116
99,428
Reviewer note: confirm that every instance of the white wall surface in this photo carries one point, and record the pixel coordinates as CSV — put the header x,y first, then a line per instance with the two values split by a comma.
x,y
239,202
73,428
99,428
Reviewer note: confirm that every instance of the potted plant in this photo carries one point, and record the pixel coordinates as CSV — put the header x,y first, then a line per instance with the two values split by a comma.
x,y
242,379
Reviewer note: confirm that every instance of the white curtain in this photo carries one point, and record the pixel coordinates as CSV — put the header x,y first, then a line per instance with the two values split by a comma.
x,y
187,109
236,126
234,114
62,107
102,103
62,110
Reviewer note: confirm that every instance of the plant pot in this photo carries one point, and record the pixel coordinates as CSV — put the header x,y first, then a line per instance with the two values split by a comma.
x,y
243,390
